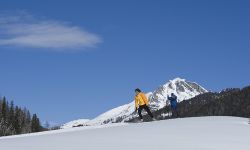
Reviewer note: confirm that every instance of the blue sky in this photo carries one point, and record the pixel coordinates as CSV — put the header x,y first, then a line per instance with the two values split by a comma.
x,y
66,60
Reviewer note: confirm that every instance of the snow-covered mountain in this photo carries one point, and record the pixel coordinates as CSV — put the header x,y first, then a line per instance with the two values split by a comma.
x,y
180,87
183,89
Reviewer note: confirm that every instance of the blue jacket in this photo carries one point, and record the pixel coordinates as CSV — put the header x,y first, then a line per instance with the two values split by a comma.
x,y
173,101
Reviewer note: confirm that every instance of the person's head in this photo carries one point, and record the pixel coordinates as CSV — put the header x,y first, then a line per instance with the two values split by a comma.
x,y
172,94
137,91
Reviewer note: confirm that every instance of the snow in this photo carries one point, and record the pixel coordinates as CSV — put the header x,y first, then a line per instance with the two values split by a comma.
x,y
120,111
74,123
200,133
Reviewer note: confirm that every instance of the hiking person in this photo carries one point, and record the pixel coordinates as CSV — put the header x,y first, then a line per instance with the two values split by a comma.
x,y
173,104
141,102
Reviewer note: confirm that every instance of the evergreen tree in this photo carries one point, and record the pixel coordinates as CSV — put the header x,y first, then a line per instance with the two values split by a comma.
x,y
11,116
15,120
23,121
35,124
4,109
17,125
27,122
12,111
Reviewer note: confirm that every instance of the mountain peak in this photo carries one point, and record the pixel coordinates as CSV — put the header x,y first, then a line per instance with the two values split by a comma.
x,y
178,79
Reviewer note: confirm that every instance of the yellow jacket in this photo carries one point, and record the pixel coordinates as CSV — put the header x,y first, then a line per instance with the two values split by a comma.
x,y
140,100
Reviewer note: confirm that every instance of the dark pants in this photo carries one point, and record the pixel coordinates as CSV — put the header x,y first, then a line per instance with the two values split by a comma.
x,y
175,113
145,107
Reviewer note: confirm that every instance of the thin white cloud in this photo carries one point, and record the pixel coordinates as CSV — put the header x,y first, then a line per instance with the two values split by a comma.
x,y
26,31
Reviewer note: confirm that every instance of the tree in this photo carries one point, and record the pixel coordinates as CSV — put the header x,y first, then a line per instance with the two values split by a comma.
x,y
35,124
28,122
17,124
4,108
11,113
15,120
5,129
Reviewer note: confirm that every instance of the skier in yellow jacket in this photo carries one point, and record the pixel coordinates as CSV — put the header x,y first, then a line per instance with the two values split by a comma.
x,y
141,102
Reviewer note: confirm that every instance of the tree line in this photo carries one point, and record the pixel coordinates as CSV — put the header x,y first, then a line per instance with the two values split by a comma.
x,y
16,120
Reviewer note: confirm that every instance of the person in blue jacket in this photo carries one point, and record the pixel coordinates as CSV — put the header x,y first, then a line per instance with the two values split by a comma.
x,y
173,104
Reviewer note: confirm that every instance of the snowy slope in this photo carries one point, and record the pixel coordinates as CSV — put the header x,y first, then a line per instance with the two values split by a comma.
x,y
201,133
74,123
182,88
